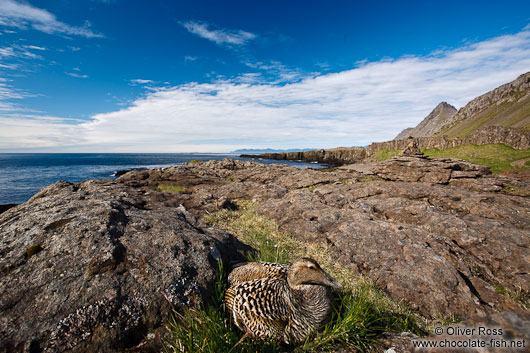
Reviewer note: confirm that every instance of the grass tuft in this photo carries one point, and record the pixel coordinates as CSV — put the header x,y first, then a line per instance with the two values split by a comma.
x,y
171,188
385,153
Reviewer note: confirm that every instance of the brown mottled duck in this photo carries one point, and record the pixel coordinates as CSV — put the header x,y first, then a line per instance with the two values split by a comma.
x,y
268,300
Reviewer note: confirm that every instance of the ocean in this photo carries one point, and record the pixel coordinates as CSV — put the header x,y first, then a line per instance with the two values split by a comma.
x,y
23,174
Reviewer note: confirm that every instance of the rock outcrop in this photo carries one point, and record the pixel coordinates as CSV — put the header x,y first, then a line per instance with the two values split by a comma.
x,y
442,235
515,138
98,266
336,156
440,116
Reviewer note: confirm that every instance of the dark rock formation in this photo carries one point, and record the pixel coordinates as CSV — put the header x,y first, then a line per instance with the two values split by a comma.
x,y
6,207
97,267
336,156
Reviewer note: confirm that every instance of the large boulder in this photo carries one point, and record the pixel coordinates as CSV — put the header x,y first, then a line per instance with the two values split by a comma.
x,y
98,267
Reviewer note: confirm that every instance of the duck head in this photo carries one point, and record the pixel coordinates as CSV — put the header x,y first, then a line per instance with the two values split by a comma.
x,y
307,271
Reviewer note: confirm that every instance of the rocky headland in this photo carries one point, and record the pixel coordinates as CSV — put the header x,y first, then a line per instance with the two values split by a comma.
x,y
499,116
98,266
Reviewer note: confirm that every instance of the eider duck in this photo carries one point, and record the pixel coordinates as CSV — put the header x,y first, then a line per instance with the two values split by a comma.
x,y
268,300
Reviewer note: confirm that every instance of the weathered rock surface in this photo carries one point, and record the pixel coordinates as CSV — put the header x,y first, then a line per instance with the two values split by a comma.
x,y
440,234
444,236
504,332
97,267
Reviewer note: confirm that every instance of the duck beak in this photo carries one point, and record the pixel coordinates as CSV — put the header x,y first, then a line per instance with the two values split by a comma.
x,y
332,282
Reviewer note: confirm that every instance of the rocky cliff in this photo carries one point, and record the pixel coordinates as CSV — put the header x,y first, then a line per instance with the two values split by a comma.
x,y
96,266
336,156
518,139
440,116
506,106
515,138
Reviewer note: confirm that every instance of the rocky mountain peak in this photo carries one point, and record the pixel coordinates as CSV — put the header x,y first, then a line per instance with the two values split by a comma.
x,y
439,117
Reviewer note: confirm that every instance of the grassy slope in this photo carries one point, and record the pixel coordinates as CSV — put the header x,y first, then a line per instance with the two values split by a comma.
x,y
362,312
496,156
514,114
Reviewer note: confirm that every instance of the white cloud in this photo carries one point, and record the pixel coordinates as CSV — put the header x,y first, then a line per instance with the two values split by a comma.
x,y
76,75
188,58
371,102
218,36
16,51
20,15
139,81
34,47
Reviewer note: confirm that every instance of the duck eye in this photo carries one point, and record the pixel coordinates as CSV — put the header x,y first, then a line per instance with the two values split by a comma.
x,y
311,267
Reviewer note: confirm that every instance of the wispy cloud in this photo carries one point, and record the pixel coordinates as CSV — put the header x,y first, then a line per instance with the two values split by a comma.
x,y
189,58
34,47
139,81
22,15
370,102
17,51
76,75
218,36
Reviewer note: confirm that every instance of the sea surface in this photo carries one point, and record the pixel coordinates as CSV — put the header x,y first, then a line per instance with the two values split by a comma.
x,y
23,174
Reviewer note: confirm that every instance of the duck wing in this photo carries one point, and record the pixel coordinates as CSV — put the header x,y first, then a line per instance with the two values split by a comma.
x,y
256,270
259,307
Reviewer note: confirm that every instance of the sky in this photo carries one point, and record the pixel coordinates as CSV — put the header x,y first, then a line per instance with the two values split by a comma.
x,y
216,76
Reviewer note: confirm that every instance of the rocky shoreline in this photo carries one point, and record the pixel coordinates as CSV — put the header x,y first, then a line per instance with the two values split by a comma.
x,y
98,266
515,138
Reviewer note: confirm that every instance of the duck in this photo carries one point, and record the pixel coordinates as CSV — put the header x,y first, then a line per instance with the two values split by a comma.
x,y
274,301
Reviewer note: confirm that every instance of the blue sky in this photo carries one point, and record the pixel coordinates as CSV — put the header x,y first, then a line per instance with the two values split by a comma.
x,y
214,76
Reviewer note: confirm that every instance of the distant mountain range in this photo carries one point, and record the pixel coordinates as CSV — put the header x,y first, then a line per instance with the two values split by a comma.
x,y
506,106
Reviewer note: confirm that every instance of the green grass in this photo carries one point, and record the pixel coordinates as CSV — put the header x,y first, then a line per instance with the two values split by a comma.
x,y
361,311
171,188
385,154
496,156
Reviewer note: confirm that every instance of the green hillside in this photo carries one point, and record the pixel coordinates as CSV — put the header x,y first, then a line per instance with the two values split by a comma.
x,y
497,156
514,113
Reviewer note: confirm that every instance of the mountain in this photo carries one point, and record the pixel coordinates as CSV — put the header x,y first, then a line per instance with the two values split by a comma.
x,y
507,106
440,116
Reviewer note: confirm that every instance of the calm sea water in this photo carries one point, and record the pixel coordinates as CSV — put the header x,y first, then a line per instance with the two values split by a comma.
x,y
23,174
